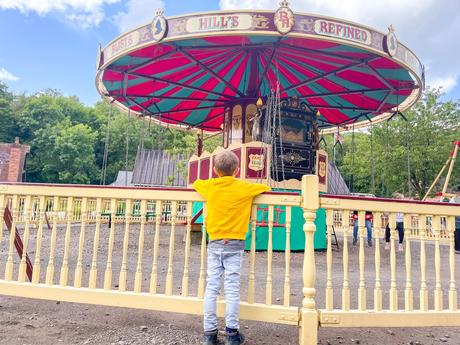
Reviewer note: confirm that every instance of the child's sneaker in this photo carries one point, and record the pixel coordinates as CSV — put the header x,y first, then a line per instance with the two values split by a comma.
x,y
387,246
234,338
210,338
401,248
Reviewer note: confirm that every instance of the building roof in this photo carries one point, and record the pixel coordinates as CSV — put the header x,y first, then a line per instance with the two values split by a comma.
x,y
335,182
123,178
159,168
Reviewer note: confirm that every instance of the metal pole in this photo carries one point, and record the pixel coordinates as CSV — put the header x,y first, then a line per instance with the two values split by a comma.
x,y
437,178
449,172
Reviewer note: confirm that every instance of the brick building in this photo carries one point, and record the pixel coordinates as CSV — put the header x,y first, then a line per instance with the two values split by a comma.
x,y
12,161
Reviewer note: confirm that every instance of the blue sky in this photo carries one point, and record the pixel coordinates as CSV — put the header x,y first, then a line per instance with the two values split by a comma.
x,y
53,43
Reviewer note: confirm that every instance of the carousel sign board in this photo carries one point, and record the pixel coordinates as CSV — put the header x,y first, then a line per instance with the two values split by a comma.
x,y
123,43
235,21
283,21
256,162
342,31
155,32
321,169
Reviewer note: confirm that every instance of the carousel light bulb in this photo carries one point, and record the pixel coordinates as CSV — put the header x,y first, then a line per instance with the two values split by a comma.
x,y
259,102
318,113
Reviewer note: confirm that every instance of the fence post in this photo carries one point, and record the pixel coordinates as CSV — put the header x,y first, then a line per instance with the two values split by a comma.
x,y
308,314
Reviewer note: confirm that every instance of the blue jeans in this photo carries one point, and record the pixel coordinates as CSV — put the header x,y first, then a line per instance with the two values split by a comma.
x,y
368,227
224,256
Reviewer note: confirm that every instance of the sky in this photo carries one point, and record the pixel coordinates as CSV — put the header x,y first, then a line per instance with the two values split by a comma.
x,y
53,43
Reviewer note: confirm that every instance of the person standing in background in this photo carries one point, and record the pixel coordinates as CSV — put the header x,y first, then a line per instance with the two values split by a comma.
x,y
400,228
368,223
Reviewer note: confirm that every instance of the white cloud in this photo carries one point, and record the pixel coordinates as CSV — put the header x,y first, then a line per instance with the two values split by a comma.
x,y
85,13
5,75
447,83
428,27
137,12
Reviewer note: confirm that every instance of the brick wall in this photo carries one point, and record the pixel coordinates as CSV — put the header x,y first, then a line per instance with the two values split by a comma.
x,y
12,161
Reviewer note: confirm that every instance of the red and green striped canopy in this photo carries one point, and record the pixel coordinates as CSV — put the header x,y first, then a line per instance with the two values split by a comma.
x,y
190,81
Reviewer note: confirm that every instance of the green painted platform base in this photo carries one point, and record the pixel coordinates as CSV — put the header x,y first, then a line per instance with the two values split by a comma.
x,y
279,230
297,234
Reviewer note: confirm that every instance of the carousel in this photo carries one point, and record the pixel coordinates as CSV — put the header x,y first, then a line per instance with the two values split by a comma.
x,y
271,83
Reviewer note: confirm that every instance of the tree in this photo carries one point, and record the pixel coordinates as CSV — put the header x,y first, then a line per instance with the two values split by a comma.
x,y
8,127
420,141
64,154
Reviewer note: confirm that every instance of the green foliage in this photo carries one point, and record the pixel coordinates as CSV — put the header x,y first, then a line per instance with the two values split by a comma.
x,y
65,154
424,142
67,142
210,144
68,138
8,127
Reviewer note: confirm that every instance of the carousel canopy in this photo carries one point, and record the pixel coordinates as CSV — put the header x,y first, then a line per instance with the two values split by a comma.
x,y
186,70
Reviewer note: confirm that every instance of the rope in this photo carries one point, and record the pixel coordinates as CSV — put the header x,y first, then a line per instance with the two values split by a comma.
x,y
372,160
150,130
278,109
352,159
127,147
273,115
141,133
267,135
387,149
160,135
106,148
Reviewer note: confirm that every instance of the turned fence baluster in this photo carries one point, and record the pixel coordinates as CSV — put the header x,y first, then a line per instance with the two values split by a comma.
x,y
124,270
93,271
108,269
287,275
329,289
140,249
65,261
268,285
27,215
188,230
50,268
156,244
38,246
252,255
202,276
169,274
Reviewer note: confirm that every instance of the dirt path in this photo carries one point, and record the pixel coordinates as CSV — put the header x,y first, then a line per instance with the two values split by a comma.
x,y
26,321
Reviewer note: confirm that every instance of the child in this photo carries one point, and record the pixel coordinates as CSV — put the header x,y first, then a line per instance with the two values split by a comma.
x,y
229,203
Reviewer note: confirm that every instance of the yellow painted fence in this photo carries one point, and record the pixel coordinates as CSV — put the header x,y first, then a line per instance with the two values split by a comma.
x,y
137,248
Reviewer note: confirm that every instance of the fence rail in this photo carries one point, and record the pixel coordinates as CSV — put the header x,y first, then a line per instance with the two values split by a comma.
x,y
135,247
84,257
428,227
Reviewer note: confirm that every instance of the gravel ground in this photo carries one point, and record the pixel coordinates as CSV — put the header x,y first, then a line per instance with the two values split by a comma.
x,y
28,321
